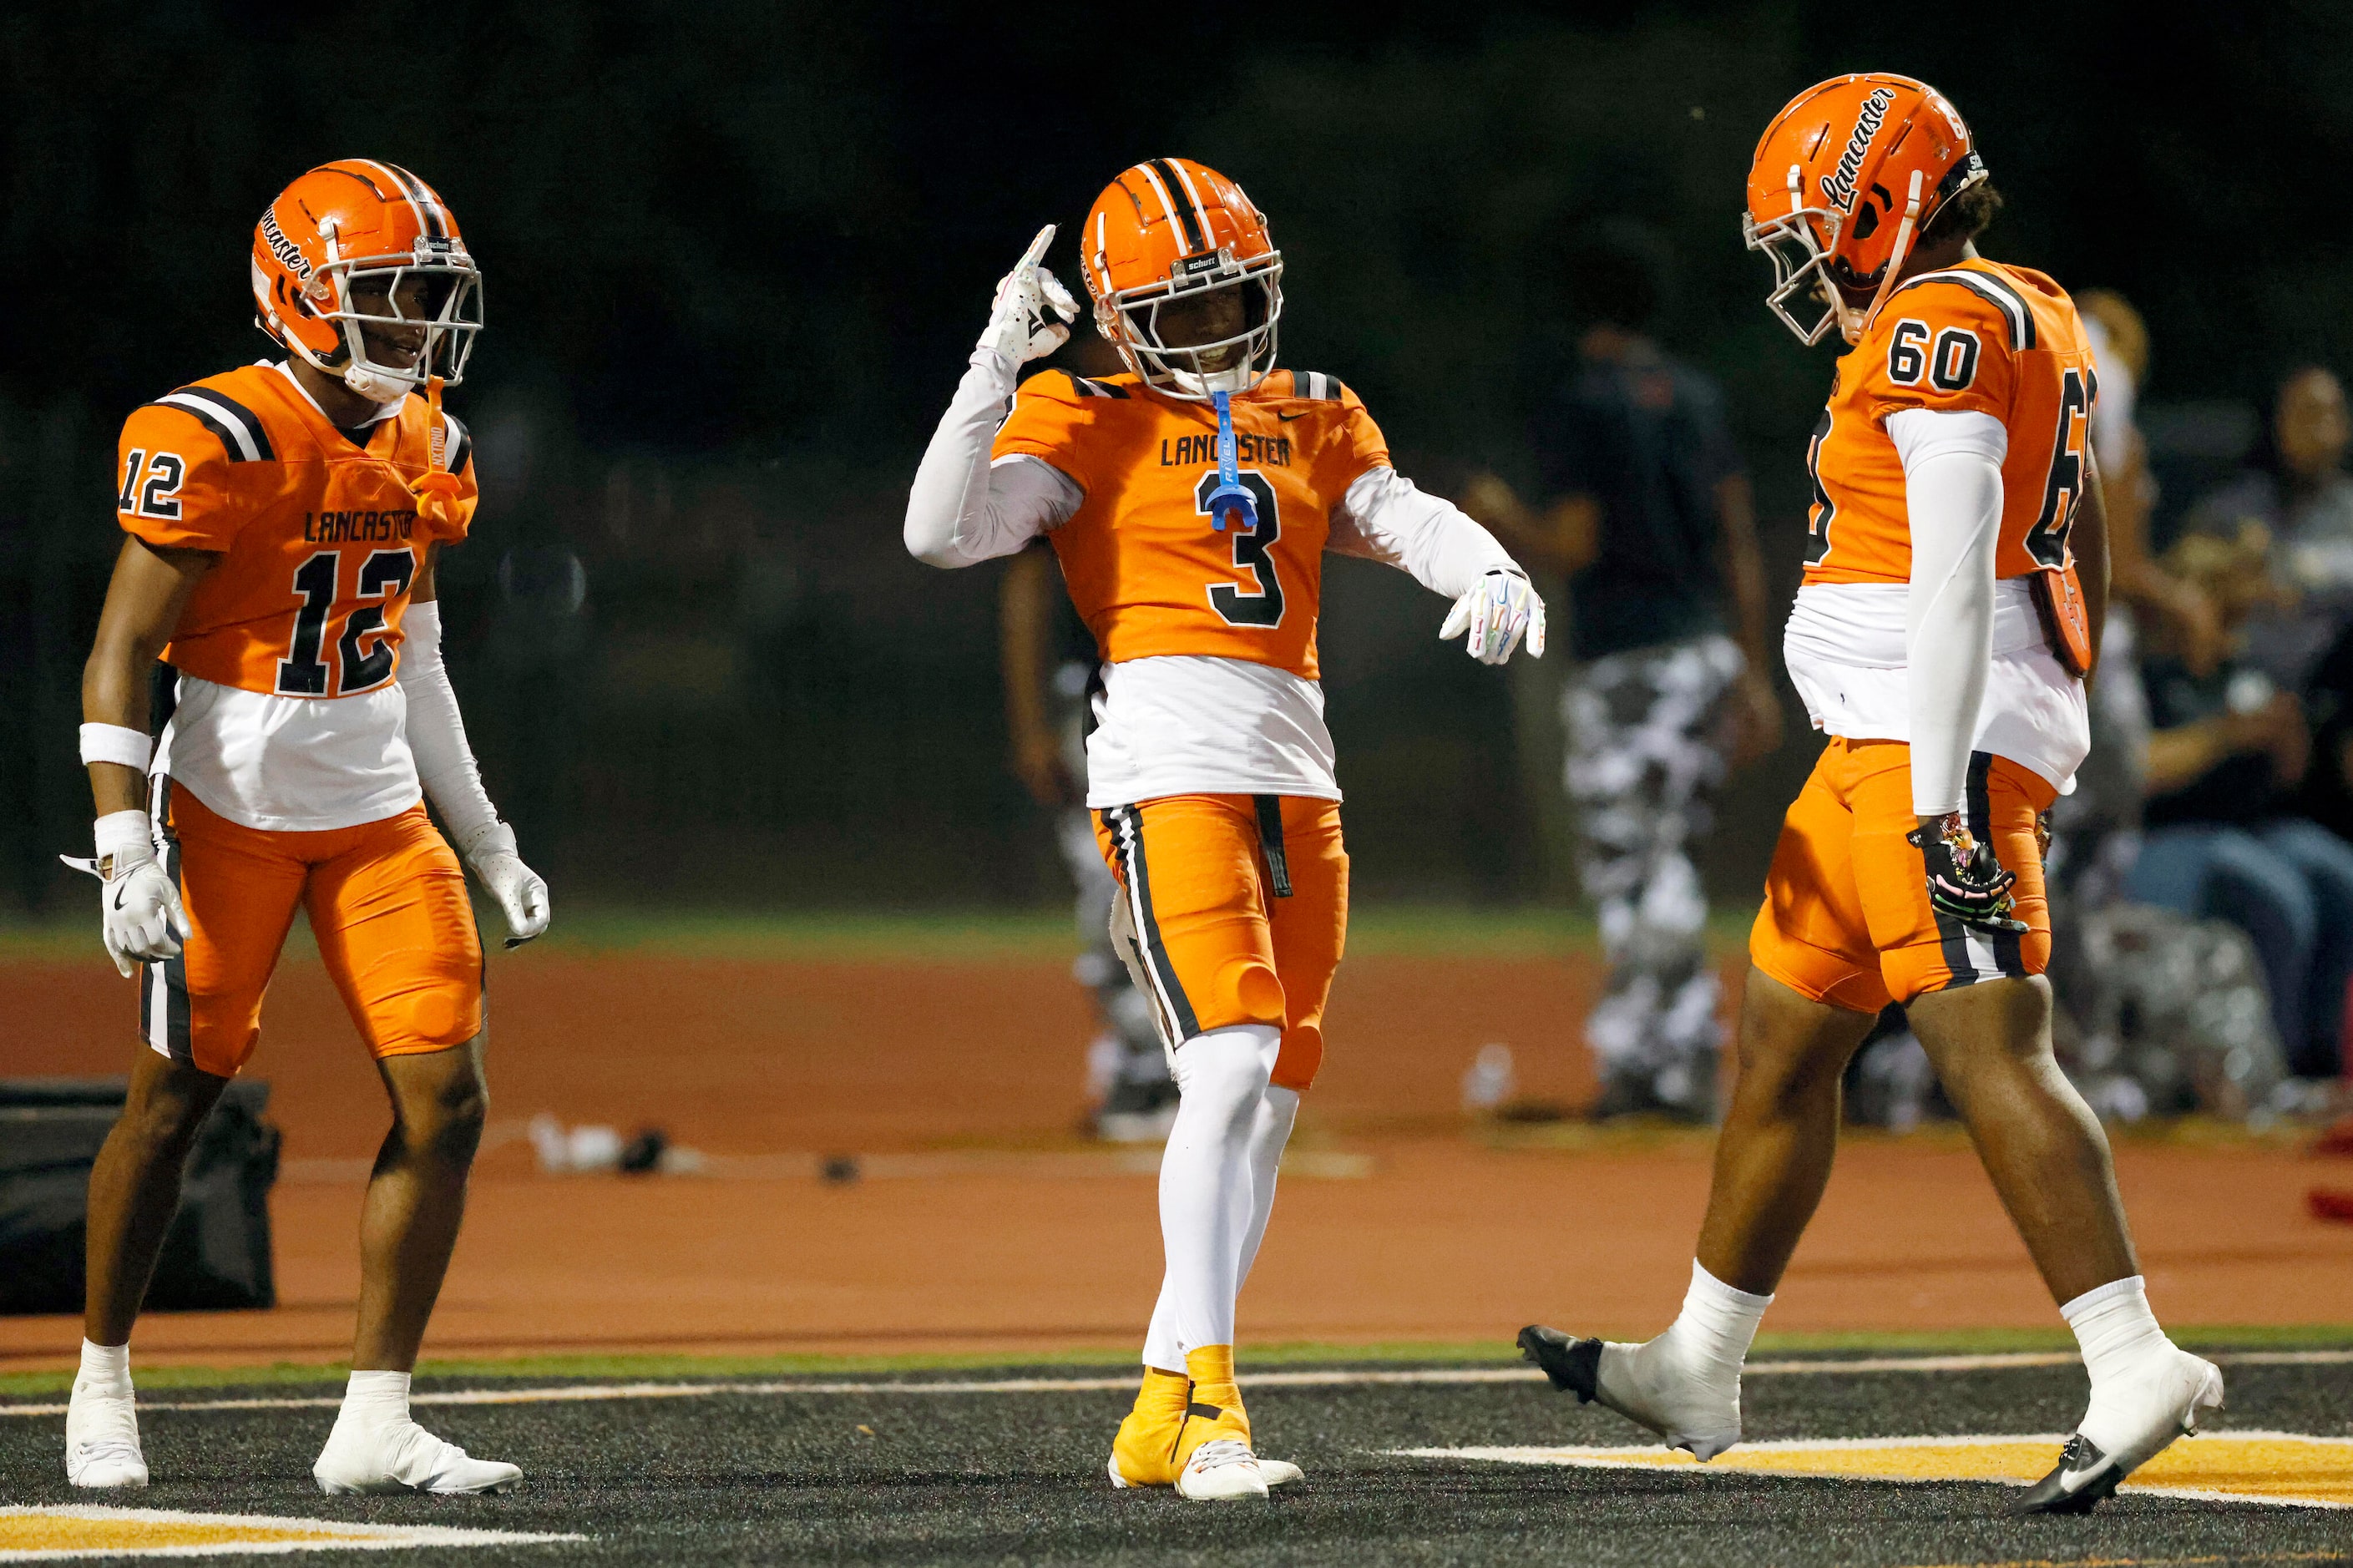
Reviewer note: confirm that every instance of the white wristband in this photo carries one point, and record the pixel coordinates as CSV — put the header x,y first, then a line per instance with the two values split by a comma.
x,y
116,743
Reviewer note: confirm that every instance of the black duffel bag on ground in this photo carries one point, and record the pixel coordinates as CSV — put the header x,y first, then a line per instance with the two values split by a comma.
x,y
216,1255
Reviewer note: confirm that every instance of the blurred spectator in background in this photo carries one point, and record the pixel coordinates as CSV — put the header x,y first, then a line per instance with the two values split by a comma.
x,y
2150,596
2227,750
1641,500
1050,677
2302,495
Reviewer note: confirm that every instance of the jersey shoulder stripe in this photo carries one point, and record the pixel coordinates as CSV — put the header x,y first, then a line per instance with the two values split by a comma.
x,y
1085,388
461,445
1316,384
1994,291
241,430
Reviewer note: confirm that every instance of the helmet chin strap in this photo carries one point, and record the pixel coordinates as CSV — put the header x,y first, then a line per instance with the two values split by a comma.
x,y
374,384
1854,323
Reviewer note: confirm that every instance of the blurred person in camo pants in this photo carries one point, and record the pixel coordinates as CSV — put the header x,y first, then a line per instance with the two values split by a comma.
x,y
1642,503
1048,662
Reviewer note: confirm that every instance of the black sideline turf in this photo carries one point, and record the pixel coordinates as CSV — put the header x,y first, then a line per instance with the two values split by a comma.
x,y
1018,1477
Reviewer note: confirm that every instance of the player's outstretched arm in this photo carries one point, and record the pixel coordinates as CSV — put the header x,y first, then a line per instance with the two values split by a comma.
x,y
140,913
962,509
445,762
1386,517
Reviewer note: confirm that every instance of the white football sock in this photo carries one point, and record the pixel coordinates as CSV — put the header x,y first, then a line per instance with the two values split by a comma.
x,y
105,1367
1685,1385
1717,1324
2114,1327
1206,1201
2139,1379
375,1399
1278,1108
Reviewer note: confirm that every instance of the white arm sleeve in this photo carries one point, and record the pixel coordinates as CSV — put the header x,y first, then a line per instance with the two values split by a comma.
x,y
1385,517
436,738
963,510
1952,489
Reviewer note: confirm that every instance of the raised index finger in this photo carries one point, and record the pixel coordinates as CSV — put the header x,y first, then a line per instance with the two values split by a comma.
x,y
1036,250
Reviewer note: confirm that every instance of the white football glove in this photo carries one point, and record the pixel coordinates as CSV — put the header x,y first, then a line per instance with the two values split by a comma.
x,y
520,892
140,915
1492,618
1019,327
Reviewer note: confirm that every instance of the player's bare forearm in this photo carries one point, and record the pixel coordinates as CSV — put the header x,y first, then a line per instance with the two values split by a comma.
x,y
1743,565
2090,541
426,590
144,600
1024,609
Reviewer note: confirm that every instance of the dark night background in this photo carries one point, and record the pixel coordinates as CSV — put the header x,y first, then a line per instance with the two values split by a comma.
x,y
735,255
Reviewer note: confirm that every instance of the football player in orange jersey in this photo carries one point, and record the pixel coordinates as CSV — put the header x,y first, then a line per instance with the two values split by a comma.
x,y
284,521
1190,501
1941,638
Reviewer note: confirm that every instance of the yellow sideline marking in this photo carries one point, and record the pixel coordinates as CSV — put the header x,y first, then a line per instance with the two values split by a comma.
x,y
2288,1469
1344,1377
2235,1557
33,1534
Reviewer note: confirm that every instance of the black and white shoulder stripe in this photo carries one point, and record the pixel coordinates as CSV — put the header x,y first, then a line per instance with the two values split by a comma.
x,y
1316,384
1085,388
1995,291
461,451
238,427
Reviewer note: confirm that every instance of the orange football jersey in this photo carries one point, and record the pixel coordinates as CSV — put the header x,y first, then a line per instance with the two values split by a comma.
x,y
1979,337
1146,568
319,539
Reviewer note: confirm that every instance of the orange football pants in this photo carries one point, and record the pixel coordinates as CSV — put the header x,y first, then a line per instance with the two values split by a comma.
x,y
1203,881
388,903
1846,918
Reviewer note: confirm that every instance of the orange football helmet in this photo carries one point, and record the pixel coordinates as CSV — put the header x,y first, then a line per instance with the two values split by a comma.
x,y
1172,229
330,256
1843,179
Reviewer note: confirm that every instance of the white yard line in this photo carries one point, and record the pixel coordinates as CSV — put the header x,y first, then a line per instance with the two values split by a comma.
x,y
559,1393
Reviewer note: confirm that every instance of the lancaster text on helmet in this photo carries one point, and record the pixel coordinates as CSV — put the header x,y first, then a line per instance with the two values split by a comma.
x,y
1838,186
289,254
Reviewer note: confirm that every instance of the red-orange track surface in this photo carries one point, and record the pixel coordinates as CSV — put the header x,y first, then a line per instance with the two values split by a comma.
x,y
1451,1236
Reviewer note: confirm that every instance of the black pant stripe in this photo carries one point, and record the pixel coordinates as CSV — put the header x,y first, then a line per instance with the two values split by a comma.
x,y
1953,936
175,969
1269,841
1127,832
2007,954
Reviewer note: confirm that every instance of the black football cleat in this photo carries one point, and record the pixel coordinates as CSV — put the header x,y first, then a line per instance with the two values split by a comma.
x,y
1574,1366
2085,1476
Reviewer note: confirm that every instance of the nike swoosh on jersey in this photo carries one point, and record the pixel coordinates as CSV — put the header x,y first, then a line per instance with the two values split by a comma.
x,y
1287,418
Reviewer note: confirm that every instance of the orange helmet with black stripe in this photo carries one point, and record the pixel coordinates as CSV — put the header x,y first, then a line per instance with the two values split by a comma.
x,y
1171,230
336,258
1844,179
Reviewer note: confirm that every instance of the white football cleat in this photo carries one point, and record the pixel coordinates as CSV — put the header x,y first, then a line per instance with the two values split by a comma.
x,y
1273,1472
1279,1472
2131,1420
1222,1470
102,1438
1646,1384
402,1456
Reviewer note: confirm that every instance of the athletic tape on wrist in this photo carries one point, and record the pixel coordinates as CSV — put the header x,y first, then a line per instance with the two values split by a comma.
x,y
116,743
124,836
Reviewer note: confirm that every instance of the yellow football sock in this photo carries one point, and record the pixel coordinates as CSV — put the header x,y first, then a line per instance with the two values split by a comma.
x,y
1214,1408
1146,1449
